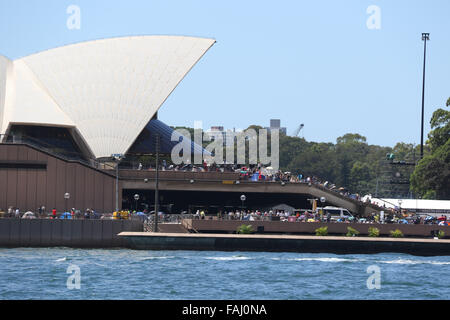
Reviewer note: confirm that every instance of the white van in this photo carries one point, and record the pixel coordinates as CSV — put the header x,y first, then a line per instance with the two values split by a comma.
x,y
337,213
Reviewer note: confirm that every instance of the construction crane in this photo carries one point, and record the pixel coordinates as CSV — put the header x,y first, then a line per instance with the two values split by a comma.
x,y
297,131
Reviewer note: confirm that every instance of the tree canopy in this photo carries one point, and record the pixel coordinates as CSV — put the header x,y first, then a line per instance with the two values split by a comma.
x,y
431,178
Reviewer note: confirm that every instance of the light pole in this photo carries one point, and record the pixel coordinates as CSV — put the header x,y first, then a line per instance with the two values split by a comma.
x,y
322,200
136,198
117,158
243,198
155,225
425,38
400,205
66,197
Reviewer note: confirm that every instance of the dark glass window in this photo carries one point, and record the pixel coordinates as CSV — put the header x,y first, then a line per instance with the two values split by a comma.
x,y
52,139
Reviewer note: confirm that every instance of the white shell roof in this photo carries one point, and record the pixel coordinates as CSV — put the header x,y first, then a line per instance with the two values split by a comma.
x,y
108,89
5,66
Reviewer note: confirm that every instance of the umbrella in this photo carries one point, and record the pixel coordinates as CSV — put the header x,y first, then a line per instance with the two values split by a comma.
x,y
28,215
66,215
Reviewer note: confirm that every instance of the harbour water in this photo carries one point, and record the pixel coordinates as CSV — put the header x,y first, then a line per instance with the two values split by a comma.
x,y
27,273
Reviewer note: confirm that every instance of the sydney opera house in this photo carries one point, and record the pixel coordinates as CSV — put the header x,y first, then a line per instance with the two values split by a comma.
x,y
63,107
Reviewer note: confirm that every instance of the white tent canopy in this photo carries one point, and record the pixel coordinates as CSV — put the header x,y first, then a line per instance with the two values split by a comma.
x,y
419,205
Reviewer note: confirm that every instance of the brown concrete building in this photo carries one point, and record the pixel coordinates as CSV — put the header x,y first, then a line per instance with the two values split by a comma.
x,y
31,178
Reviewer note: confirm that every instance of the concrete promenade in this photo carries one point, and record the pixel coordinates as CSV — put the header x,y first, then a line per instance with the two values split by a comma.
x,y
285,243
308,228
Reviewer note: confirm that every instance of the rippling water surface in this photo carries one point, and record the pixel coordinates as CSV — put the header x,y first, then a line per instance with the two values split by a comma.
x,y
128,274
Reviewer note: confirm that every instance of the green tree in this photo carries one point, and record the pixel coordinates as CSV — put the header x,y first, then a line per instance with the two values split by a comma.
x,y
431,177
350,148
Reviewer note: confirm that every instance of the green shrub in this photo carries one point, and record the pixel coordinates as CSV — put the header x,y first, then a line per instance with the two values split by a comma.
x,y
245,229
441,234
374,232
323,231
352,232
396,233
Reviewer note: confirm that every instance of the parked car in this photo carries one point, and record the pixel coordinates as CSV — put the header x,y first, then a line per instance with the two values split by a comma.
x,y
336,214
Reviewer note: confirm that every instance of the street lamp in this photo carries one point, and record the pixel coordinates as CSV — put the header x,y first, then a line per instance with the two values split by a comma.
x,y
157,145
322,200
117,158
425,38
66,197
136,197
400,205
243,198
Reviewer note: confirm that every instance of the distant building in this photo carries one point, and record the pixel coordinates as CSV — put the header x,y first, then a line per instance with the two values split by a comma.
x,y
276,124
220,129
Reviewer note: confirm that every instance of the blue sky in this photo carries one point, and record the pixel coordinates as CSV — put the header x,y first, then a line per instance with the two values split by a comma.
x,y
311,62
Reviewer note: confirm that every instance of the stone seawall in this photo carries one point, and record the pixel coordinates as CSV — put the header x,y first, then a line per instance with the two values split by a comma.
x,y
284,243
65,233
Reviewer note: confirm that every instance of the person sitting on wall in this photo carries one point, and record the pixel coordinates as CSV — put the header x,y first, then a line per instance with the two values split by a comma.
x,y
54,213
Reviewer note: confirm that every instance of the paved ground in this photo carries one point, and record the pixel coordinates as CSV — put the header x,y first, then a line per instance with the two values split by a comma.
x,y
211,235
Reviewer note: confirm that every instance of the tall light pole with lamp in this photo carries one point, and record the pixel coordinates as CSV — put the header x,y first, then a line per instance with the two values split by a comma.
x,y
425,38
136,198
243,198
157,146
66,198
322,200
117,158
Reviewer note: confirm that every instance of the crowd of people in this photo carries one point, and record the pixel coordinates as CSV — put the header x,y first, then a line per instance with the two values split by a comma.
x,y
319,216
42,213
243,215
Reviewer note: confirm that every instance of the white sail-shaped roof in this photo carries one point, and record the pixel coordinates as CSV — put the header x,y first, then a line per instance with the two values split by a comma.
x,y
5,66
109,89
28,101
